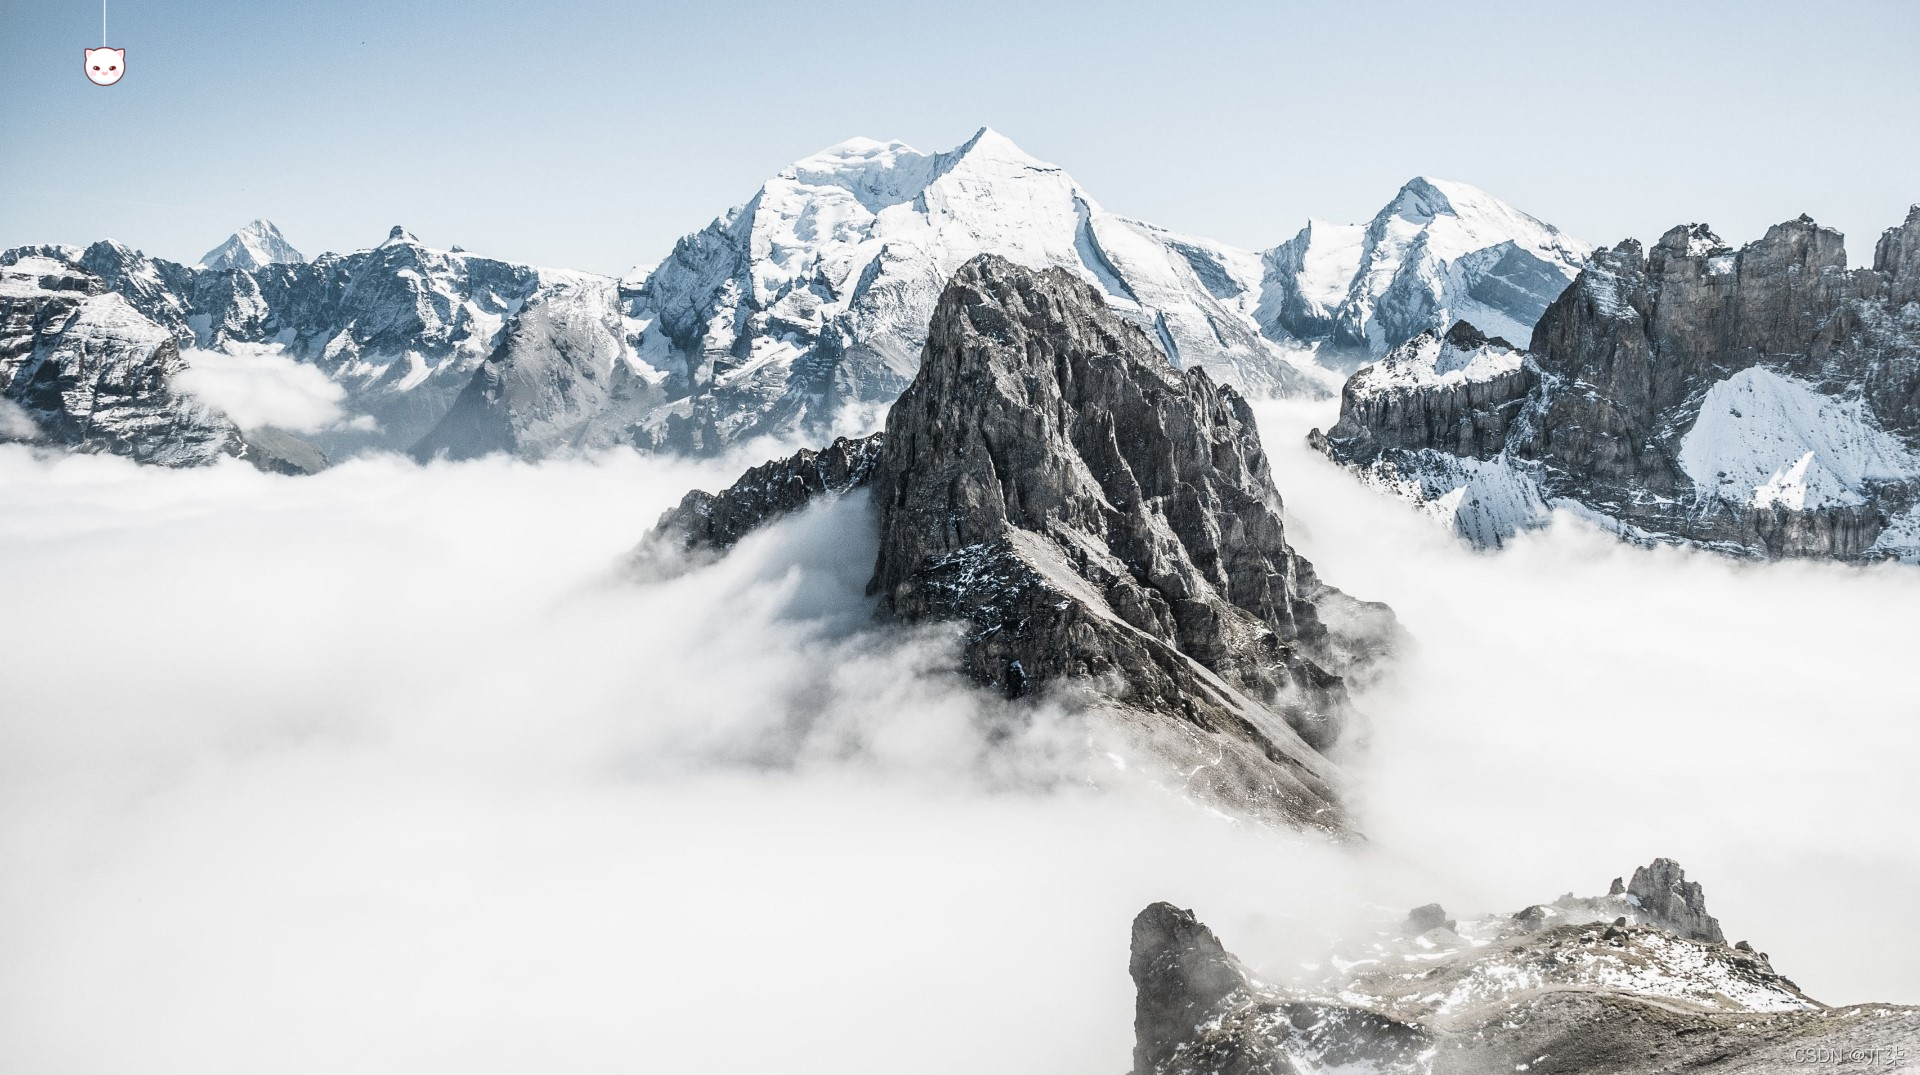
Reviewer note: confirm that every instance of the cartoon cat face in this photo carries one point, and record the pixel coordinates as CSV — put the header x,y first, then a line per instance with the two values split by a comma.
x,y
105,66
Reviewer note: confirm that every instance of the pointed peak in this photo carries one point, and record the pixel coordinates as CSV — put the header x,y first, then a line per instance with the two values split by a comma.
x,y
1426,197
989,144
400,236
256,245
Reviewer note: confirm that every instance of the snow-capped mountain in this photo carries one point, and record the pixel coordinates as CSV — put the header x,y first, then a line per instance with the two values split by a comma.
x,y
801,313
401,326
1439,252
1760,402
80,367
255,246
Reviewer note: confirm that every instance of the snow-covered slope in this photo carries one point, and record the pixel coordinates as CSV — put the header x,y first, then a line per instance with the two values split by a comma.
x,y
1767,439
805,309
1438,253
255,246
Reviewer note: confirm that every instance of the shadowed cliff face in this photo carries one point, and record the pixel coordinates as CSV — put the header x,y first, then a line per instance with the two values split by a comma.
x,y
1100,524
1764,401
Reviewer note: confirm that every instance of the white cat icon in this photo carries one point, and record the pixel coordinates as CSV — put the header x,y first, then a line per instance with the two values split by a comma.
x,y
105,65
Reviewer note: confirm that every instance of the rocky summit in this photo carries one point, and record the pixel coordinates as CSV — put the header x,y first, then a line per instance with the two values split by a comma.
x,y
1102,526
1628,982
1763,402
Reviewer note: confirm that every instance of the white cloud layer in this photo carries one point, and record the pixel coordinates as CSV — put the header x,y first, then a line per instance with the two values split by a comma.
x,y
386,770
259,386
16,423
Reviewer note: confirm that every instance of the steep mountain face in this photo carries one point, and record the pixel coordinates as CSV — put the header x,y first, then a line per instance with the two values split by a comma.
x,y
81,368
802,313
1101,526
1585,984
402,327
255,246
1439,252
1761,402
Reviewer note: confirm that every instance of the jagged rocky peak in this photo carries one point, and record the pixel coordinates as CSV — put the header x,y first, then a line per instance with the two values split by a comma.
x,y
1105,528
1897,257
1638,980
255,246
1664,893
1763,401
397,236
1198,1010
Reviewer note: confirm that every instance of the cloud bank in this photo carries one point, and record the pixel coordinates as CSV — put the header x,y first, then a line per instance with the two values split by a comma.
x,y
389,769
258,387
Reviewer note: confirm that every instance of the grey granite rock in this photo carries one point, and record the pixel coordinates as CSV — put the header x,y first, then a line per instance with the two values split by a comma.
x,y
1673,902
1198,1010
1104,527
716,522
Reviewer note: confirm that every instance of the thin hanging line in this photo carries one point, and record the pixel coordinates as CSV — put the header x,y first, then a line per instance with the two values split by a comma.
x,y
103,23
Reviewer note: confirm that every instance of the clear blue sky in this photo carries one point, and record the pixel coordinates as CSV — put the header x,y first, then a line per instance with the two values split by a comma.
x,y
592,133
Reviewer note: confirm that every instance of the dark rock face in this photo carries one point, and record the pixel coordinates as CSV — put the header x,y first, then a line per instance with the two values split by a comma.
x,y
1672,901
1384,408
1669,390
1428,916
1180,974
769,491
1099,522
1197,1009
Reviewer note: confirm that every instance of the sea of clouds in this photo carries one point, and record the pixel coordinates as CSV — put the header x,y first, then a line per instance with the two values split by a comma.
x,y
396,768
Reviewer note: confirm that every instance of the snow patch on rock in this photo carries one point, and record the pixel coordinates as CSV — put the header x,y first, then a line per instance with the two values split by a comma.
x,y
1769,440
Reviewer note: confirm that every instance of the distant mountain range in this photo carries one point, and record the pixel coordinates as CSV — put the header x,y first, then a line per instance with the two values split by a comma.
x,y
799,314
1763,402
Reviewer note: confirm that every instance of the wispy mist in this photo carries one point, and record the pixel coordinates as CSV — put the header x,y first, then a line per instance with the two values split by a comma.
x,y
390,769
1573,706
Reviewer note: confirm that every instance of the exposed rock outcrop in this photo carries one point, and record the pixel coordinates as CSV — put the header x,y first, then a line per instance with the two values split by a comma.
x,y
1674,903
717,521
1100,523
1198,1010
1763,402
81,368
1586,984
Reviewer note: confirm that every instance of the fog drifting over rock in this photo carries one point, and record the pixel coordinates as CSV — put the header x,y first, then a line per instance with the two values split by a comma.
x,y
389,769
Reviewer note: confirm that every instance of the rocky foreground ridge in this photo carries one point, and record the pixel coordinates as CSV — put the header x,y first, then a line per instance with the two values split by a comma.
x,y
1763,402
1101,526
1638,980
